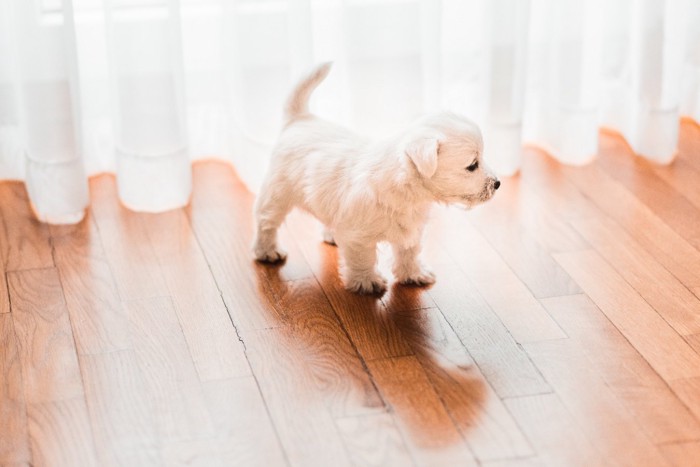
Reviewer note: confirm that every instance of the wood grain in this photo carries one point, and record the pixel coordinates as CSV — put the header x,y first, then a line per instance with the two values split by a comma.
x,y
598,413
553,431
632,315
97,316
170,381
523,462
505,223
637,176
681,454
682,176
60,433
476,410
373,440
688,390
125,242
651,232
427,428
26,240
669,297
304,425
47,353
364,317
333,362
14,434
216,350
505,293
123,418
244,433
504,364
563,330
636,385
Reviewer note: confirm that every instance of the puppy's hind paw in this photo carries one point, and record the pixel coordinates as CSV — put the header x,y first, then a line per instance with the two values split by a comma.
x,y
272,256
367,285
421,278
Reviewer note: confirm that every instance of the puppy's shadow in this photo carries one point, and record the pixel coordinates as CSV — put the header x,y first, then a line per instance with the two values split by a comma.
x,y
452,373
403,328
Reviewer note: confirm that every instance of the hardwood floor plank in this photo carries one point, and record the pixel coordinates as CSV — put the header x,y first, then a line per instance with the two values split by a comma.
x,y
636,320
364,317
401,298
60,433
27,240
427,428
553,431
476,410
216,350
4,250
503,223
239,278
636,385
681,454
14,434
170,380
694,342
549,182
602,417
98,319
4,293
373,440
669,297
688,142
333,362
505,293
221,192
244,434
502,361
220,216
47,353
126,244
688,390
544,204
298,410
524,462
636,175
122,418
682,176
652,233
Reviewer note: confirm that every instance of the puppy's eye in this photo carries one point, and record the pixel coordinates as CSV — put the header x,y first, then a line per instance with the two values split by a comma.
x,y
473,167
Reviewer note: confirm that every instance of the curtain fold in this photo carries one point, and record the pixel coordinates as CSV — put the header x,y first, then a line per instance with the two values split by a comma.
x,y
142,88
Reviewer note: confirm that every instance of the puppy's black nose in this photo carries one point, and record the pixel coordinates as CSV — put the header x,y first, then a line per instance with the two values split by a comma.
x,y
496,185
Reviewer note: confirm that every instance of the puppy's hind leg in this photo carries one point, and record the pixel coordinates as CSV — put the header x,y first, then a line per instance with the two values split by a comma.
x,y
270,210
407,266
360,273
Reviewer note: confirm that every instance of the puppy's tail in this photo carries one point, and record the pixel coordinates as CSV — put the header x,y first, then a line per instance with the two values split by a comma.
x,y
298,102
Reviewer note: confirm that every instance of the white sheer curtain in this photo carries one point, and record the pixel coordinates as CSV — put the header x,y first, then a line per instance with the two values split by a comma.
x,y
143,87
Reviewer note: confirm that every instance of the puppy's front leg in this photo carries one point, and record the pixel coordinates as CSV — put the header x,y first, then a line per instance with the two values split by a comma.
x,y
360,273
407,267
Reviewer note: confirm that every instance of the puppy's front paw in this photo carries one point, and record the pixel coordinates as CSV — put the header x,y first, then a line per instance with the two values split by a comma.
x,y
421,277
369,284
272,255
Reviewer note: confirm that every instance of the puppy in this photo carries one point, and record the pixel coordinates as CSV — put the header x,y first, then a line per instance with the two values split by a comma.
x,y
365,191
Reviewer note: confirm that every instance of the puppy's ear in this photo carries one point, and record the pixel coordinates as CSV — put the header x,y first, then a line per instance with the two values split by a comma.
x,y
424,154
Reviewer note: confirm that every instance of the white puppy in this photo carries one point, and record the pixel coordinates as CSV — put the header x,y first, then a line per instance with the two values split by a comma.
x,y
366,192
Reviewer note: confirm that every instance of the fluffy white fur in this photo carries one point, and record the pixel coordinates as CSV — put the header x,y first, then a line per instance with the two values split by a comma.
x,y
365,191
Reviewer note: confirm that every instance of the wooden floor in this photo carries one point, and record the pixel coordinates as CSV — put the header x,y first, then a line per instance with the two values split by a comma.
x,y
564,329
